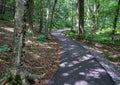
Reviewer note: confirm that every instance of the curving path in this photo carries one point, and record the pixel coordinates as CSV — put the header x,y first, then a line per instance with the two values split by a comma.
x,y
78,66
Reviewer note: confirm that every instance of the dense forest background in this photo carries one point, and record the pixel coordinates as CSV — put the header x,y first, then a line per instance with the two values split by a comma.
x,y
101,17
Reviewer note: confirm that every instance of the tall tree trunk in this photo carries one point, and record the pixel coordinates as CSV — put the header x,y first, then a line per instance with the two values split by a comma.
x,y
93,13
81,17
41,16
19,48
51,21
88,11
3,6
47,18
72,16
94,16
13,8
30,14
115,22
18,74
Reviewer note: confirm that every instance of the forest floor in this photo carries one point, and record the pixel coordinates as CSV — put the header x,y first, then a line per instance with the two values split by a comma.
x,y
44,57
41,57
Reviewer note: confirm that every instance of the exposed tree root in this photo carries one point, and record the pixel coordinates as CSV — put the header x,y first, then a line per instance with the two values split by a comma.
x,y
20,78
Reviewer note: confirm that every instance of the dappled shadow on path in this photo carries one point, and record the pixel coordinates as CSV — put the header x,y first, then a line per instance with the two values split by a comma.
x,y
78,66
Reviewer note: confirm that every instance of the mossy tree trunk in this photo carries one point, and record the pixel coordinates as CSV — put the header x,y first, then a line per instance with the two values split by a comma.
x,y
19,40
18,71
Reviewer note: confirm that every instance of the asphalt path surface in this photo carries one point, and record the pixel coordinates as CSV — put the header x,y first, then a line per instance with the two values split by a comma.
x,y
78,66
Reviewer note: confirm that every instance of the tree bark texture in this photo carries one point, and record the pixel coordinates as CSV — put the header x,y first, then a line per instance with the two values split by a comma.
x,y
3,6
51,21
19,39
47,18
81,17
30,14
41,16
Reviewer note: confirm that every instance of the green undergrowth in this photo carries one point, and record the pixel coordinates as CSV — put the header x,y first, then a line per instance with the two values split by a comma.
x,y
30,33
42,38
71,33
103,37
4,48
111,57
6,16
59,24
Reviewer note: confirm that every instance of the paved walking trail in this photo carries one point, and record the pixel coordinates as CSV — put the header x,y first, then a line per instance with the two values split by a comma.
x,y
78,66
